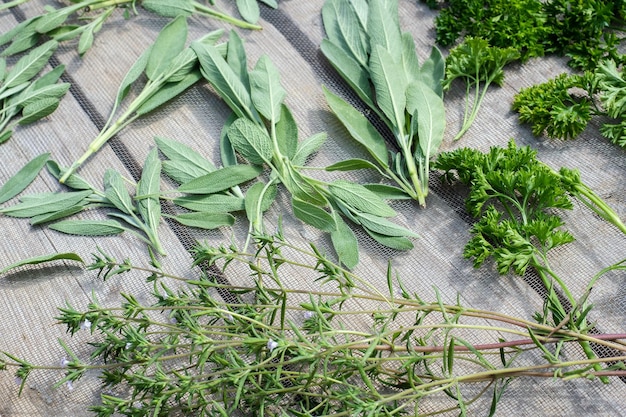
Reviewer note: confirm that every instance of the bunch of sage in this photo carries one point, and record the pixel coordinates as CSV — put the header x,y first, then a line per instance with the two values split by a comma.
x,y
82,20
170,69
140,214
264,132
380,64
23,97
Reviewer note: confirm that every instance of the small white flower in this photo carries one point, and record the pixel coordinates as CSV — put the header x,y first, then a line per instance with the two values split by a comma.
x,y
128,345
64,362
229,318
308,315
271,345
69,385
85,325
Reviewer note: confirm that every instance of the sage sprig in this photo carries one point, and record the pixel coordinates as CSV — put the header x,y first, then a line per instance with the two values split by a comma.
x,y
366,47
82,20
170,69
264,132
24,98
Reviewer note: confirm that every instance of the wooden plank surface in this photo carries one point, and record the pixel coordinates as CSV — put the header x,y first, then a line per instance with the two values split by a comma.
x,y
291,38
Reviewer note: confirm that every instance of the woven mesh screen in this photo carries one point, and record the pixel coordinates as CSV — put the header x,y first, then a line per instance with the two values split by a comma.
x,y
291,37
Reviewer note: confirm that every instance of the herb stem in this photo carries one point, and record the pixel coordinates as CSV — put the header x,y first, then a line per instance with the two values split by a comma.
x,y
202,9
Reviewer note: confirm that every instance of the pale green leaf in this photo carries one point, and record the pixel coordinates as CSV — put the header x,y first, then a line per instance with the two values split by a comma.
x,y
85,41
116,193
359,128
184,163
148,189
169,8
227,151
38,110
36,204
74,181
390,84
360,198
29,65
343,29
221,180
169,43
44,259
313,215
236,58
383,27
56,215
88,227
410,62
258,199
286,133
213,203
383,226
308,147
18,182
267,93
52,20
433,70
393,242
388,192
249,10
32,96
204,220
345,244
427,106
168,92
251,141
24,41
351,165
131,76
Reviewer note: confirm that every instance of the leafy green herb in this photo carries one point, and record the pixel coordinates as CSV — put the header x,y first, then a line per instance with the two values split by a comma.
x,y
364,44
24,98
516,199
170,68
22,179
265,133
43,259
478,65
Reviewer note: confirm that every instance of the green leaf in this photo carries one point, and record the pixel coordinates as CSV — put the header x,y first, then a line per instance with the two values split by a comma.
x,y
227,152
308,147
23,42
52,20
410,63
18,182
74,181
359,128
169,8
267,93
43,259
251,141
49,78
184,163
286,133
169,43
85,42
390,84
313,215
383,226
32,95
427,106
360,198
213,203
388,192
148,191
220,180
345,244
350,70
342,27
249,10
88,227
225,81
38,110
116,193
168,92
204,220
259,198
56,215
236,58
28,66
393,242
433,70
36,204
351,165
383,28
131,76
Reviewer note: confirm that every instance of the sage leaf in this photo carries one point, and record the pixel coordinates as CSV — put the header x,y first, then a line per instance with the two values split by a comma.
x,y
227,152
342,27
56,215
221,180
18,182
383,28
32,95
388,192
183,164
249,10
169,8
148,189
427,106
33,205
433,71
131,76
49,78
360,198
410,63
393,242
345,244
168,92
26,40
359,128
351,165
213,203
225,81
259,198
286,133
38,110
308,147
390,84
43,259
266,91
116,192
51,20
272,3
313,215
383,226
88,227
29,65
236,58
251,141
204,220
85,42
169,43
74,181
350,70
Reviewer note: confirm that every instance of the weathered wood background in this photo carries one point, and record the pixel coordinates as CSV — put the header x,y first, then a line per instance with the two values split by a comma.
x,y
291,36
